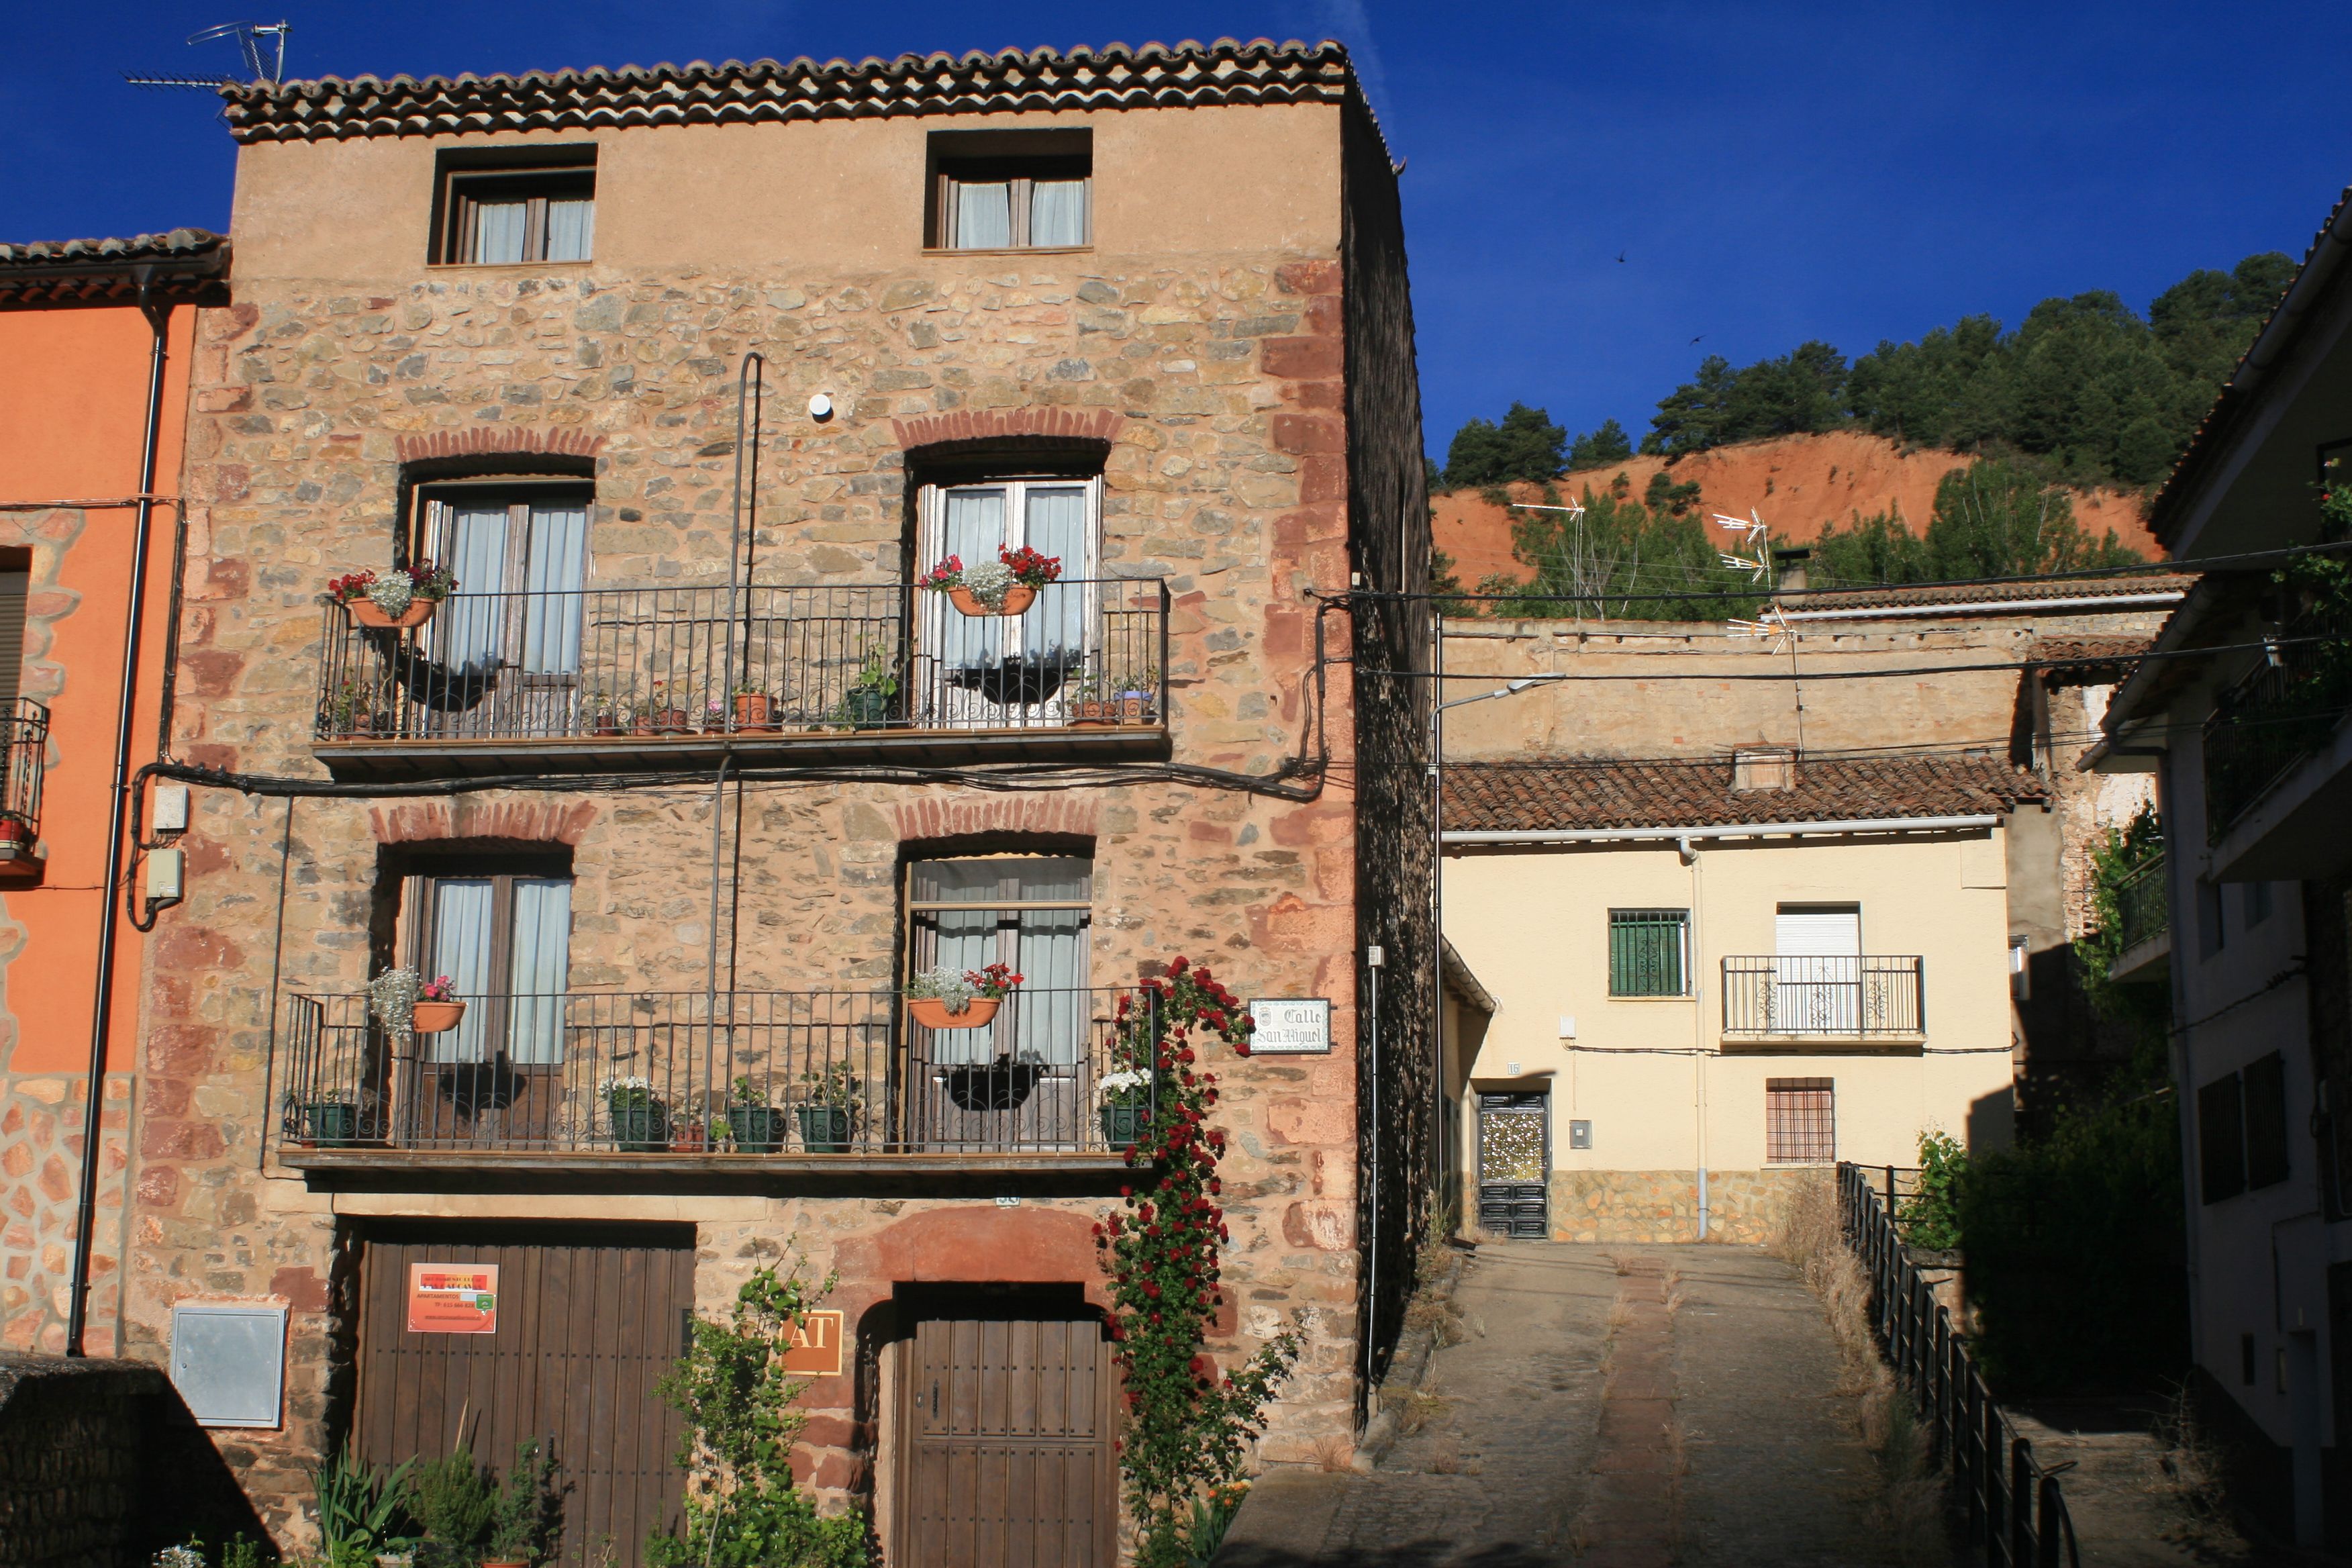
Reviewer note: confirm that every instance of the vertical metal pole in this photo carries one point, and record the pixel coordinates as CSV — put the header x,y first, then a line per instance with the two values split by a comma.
x,y
2021,1501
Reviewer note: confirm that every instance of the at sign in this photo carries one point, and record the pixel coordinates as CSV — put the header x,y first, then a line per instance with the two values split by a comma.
x,y
815,1347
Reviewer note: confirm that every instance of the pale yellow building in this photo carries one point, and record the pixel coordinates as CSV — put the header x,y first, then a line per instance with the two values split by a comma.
x,y
1709,974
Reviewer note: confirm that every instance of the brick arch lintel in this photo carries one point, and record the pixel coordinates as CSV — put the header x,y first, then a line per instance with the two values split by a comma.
x,y
977,425
520,821
1069,814
486,440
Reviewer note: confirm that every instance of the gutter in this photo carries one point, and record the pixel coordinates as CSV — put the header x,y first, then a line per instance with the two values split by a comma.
x,y
1727,830
1991,607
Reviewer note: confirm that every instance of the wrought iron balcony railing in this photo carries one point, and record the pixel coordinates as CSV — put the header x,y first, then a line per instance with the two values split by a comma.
x,y
2141,912
27,735
2277,715
1841,996
628,671
823,1073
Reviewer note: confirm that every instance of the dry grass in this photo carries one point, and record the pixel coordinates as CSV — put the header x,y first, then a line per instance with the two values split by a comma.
x,y
1335,1456
1910,1496
2189,1472
1415,1410
1446,1461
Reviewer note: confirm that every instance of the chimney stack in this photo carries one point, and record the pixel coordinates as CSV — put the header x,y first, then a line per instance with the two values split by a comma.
x,y
1788,570
1763,768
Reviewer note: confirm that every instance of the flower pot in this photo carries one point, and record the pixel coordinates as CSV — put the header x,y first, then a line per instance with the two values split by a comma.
x,y
689,1138
1000,1085
866,707
825,1129
331,1123
752,710
1017,598
641,1129
606,724
666,722
506,1563
1123,1124
1134,707
932,1012
1088,713
757,1128
366,611
436,1017
15,830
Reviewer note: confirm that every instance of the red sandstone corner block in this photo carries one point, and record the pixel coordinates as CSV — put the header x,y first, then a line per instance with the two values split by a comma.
x,y
994,424
530,822
303,1289
490,438
1302,359
1074,814
1307,277
1306,433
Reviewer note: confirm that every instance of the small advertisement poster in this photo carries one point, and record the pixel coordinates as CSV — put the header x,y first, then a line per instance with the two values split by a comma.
x,y
453,1297
1298,1028
815,1347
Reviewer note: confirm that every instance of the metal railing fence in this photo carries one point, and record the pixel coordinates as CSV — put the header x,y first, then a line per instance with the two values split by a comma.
x,y
2283,710
654,664
2141,912
820,1072
1832,995
26,733
2012,1503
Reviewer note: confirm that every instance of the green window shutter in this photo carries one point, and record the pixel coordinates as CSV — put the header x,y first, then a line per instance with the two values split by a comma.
x,y
1645,951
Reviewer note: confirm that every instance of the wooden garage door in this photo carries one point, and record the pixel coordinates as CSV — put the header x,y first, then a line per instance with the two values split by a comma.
x,y
1008,1425
589,1319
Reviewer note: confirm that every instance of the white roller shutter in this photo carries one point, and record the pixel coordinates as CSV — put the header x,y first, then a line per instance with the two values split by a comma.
x,y
1817,931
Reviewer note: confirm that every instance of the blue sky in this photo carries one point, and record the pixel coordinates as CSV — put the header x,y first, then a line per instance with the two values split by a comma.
x,y
1772,172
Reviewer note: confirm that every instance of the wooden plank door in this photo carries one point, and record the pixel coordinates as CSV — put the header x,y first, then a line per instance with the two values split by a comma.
x,y
1008,1423
589,1319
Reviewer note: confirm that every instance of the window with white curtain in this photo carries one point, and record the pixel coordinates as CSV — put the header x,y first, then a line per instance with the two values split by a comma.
x,y
1056,517
1032,913
504,941
519,555
492,218
1015,203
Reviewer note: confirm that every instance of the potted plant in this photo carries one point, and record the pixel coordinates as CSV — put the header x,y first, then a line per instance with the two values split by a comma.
x,y
640,1120
1084,703
659,715
330,1123
866,704
756,1127
350,712
437,1009
402,597
829,1109
1126,1099
1004,586
943,999
604,713
522,1511
449,1500
1138,698
691,1132
1002,1084
754,708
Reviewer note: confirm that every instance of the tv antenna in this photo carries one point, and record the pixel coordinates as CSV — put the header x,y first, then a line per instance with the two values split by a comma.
x,y
1754,529
249,38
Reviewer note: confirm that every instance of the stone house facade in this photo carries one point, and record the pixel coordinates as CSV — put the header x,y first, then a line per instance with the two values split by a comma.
x,y
688,374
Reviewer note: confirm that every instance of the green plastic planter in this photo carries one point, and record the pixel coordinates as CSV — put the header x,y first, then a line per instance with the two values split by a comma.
x,y
1123,1124
641,1129
825,1129
756,1129
332,1123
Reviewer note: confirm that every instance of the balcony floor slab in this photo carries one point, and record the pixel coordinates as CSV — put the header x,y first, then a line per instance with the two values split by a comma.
x,y
1824,1045
434,758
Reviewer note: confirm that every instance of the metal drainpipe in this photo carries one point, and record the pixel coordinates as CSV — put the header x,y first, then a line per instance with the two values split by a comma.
x,y
158,321
1690,853
750,389
1374,960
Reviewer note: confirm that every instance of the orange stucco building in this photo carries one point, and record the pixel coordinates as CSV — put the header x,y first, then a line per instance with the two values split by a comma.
x,y
91,428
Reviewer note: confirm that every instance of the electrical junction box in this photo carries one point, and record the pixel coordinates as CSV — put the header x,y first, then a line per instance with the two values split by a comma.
x,y
163,874
171,808
1580,1134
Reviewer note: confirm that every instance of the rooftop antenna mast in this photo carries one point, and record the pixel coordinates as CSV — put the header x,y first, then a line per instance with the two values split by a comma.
x,y
262,44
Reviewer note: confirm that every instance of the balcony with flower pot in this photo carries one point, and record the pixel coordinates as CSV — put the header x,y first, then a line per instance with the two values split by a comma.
x,y
958,666
739,1082
24,757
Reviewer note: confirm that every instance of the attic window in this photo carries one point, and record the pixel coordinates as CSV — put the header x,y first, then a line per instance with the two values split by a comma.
x,y
1020,190
514,212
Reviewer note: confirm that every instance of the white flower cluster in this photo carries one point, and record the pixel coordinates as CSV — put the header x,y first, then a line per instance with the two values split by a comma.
x,y
947,986
989,582
391,591
392,997
1126,1086
178,1557
635,1086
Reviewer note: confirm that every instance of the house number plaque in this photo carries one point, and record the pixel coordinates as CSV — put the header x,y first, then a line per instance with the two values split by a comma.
x,y
815,1347
1295,1028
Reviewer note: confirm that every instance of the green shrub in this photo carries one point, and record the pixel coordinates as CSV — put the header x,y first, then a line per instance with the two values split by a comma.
x,y
1930,1218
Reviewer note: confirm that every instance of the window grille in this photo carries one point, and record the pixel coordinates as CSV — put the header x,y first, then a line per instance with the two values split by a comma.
x,y
1648,952
1800,1121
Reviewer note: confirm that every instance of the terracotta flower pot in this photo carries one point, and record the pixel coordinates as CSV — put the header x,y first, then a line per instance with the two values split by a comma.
x,y
1090,713
664,721
689,1138
932,1012
364,611
1017,598
14,830
436,1017
752,710
506,1563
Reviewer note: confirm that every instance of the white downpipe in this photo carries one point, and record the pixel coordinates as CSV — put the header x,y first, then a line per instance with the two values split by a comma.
x,y
1728,830
1698,961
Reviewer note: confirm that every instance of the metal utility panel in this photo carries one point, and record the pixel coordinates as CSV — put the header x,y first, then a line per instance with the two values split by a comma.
x,y
229,1362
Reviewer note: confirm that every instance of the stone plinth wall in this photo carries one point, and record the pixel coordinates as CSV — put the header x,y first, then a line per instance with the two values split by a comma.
x,y
41,1118
1663,1205
100,1465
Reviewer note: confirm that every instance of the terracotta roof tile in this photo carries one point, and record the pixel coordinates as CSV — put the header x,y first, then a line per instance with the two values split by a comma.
x,y
1603,792
1993,591
178,242
736,92
180,264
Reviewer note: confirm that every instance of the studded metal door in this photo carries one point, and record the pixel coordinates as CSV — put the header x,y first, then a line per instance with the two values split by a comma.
x,y
1515,1164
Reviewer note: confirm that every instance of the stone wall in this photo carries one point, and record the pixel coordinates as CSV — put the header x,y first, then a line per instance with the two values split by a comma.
x,y
1744,1206
1218,387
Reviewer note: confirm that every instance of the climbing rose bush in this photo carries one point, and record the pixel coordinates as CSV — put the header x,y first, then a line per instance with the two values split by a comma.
x,y
1188,1423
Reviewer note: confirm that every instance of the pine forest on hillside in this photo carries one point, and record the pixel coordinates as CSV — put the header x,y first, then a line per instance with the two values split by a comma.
x,y
2082,392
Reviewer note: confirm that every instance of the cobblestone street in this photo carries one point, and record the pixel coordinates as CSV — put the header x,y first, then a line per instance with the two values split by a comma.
x,y
1613,1406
